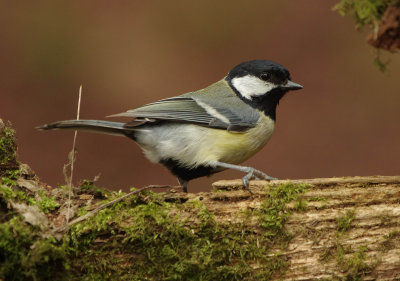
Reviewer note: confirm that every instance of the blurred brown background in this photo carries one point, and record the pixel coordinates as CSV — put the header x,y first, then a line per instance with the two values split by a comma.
x,y
127,53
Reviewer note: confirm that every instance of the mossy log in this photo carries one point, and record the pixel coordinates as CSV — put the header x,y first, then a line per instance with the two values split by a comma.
x,y
317,229
337,229
348,226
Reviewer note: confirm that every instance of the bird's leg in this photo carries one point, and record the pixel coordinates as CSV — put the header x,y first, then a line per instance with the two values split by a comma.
x,y
251,173
184,184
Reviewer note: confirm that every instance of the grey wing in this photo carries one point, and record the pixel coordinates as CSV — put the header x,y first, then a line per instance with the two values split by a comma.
x,y
189,108
220,98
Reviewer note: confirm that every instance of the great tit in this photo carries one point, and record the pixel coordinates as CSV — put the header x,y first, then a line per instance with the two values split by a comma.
x,y
207,131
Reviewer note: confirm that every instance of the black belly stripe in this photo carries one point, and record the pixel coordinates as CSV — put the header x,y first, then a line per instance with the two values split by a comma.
x,y
188,174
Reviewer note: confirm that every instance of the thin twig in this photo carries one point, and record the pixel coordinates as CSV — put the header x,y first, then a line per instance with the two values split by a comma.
x,y
73,155
101,207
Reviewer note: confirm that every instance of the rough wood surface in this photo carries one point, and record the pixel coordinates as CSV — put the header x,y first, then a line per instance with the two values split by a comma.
x,y
346,228
319,248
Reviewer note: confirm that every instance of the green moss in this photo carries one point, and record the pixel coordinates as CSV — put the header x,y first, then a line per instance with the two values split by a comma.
x,y
26,256
8,149
146,238
47,204
355,265
389,241
342,251
352,263
9,177
301,204
344,222
274,212
365,12
154,233
89,187
316,198
201,250
326,255
9,193
380,62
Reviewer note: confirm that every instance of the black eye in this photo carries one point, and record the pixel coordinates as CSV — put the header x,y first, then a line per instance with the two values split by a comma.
x,y
265,76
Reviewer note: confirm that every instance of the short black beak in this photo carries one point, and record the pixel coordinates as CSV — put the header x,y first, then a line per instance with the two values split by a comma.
x,y
290,85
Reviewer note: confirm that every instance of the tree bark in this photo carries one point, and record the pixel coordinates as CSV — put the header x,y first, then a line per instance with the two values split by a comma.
x,y
373,206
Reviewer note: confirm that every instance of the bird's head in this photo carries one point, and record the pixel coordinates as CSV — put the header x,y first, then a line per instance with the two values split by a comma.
x,y
261,84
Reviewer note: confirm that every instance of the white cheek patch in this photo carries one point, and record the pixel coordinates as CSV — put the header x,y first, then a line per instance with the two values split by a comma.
x,y
250,86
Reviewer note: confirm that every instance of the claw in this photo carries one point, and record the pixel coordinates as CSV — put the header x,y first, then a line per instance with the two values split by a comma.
x,y
260,175
247,178
254,174
251,173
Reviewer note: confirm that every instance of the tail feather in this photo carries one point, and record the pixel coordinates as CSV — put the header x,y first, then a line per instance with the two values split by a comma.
x,y
97,126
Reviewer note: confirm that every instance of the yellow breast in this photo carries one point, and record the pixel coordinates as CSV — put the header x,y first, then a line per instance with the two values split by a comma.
x,y
235,148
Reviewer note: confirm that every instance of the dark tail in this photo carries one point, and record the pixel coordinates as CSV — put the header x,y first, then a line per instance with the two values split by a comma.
x,y
97,126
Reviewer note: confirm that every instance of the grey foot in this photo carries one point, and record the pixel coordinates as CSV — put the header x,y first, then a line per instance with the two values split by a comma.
x,y
184,184
251,173
254,174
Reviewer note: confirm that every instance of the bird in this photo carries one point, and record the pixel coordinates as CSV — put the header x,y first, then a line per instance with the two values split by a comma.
x,y
204,132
